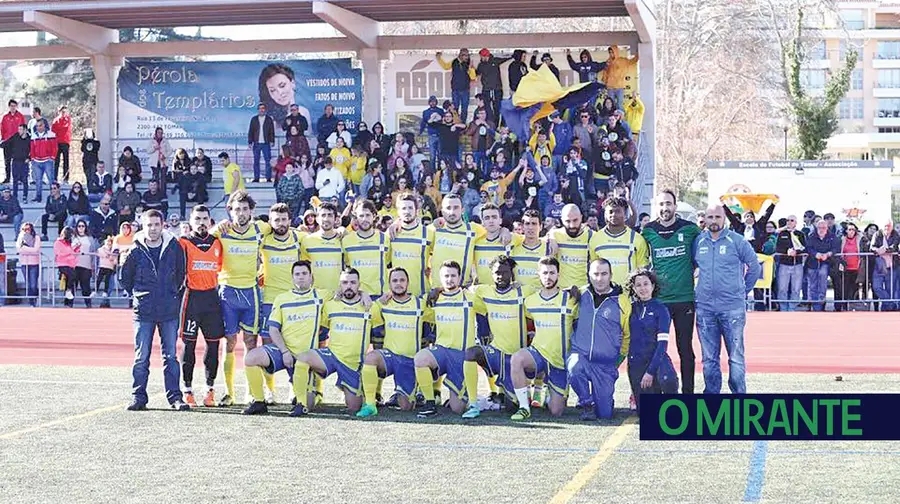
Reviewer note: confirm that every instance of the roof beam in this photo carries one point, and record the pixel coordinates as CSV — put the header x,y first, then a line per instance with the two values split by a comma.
x,y
42,52
530,40
363,30
644,19
208,47
90,38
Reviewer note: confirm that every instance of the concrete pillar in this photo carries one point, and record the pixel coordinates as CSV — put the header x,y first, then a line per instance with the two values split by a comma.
x,y
647,86
373,84
106,72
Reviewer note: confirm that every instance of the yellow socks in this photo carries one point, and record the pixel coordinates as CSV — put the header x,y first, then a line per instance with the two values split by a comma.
x,y
492,382
426,382
255,382
470,377
228,367
370,383
439,384
270,382
378,390
301,380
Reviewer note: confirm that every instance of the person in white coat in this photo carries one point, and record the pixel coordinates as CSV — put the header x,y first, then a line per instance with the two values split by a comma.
x,y
329,181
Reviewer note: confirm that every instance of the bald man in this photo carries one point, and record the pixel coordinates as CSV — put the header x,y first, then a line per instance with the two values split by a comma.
x,y
728,269
574,253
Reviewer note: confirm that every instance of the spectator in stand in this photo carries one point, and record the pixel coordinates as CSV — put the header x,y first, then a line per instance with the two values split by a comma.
x,y
43,152
449,133
727,271
180,166
65,251
90,152
832,227
643,220
62,128
9,126
517,69
546,59
155,199
363,135
499,183
585,131
290,190
260,139
17,148
384,142
28,245
885,279
482,132
127,202
563,134
234,181
399,149
500,164
623,169
617,69
476,210
634,114
491,83
329,181
326,125
104,221
106,272
504,142
54,210
701,220
554,209
417,162
340,157
193,188
37,118
511,210
377,191
848,276
434,145
10,210
204,164
340,132
131,163
373,171
480,104
605,110
579,175
470,197
586,67
295,127
100,183
867,266
820,247
77,205
124,241
790,250
159,151
754,230
461,76
84,265
530,185
284,159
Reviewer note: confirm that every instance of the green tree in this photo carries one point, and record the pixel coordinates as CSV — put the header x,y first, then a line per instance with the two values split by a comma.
x,y
815,117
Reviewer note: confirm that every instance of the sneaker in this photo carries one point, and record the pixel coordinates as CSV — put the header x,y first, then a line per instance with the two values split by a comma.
x,y
485,404
420,400
632,403
367,411
394,401
537,398
189,399
270,398
587,413
44,238
226,401
69,295
256,408
210,400
473,411
496,397
319,398
428,411
299,411
137,406
379,400
180,405
521,414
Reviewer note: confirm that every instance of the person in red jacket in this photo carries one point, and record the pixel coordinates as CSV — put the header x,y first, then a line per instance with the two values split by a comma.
x,y
43,152
9,125
62,128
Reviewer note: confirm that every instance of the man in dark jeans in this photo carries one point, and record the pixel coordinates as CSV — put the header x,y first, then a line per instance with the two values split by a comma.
x,y
491,85
261,138
54,211
671,238
18,148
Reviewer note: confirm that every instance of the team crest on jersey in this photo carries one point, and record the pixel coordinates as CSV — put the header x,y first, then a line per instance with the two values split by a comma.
x,y
606,313
681,237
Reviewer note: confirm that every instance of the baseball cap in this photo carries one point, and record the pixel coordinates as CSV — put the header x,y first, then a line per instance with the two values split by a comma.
x,y
484,52
4,187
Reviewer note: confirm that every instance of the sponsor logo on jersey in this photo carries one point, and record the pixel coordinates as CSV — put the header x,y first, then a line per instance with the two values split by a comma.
x,y
204,266
666,252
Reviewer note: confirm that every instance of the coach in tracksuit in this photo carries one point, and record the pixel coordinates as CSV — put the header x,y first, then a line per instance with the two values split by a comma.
x,y
154,272
600,342
728,270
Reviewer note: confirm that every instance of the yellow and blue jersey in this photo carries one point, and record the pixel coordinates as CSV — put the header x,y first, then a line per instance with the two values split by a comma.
x,y
626,251
349,328
411,250
554,319
455,244
404,324
240,255
326,257
278,256
527,262
298,316
505,313
370,256
486,250
454,319
574,256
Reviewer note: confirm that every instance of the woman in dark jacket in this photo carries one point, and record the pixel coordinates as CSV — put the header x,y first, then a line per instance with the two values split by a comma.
x,y
131,163
180,166
77,205
517,68
383,139
363,135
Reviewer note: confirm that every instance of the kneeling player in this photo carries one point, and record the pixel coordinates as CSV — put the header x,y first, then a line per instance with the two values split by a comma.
x,y
554,313
294,328
405,321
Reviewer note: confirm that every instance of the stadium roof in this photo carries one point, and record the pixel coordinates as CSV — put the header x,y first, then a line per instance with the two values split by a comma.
x,y
119,14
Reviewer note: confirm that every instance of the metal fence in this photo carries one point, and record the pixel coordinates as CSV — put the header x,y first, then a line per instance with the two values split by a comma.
x,y
50,290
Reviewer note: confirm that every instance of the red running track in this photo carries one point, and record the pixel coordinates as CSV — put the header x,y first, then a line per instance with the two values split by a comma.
x,y
856,342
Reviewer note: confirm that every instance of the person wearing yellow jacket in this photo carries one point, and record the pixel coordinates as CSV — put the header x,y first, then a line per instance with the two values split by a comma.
x,y
617,68
461,76
340,156
634,114
359,160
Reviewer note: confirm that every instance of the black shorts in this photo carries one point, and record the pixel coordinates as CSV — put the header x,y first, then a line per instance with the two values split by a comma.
x,y
201,313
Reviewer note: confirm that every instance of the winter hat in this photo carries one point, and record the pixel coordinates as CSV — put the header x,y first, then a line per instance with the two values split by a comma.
x,y
484,53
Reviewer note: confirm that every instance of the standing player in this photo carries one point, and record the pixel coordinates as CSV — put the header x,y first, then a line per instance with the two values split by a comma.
x,y
490,246
624,248
454,316
405,322
367,249
323,249
504,307
455,240
200,309
574,248
294,330
239,290
671,239
530,251
554,312
349,322
411,245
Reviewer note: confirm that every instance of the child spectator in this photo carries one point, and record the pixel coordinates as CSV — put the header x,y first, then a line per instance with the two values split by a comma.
x,y
284,158
358,162
290,190
108,257
554,209
340,157
65,251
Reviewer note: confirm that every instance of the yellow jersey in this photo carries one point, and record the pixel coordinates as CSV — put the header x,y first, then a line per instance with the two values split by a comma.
x,y
486,250
278,256
505,312
241,255
370,256
341,160
527,262
403,324
574,256
298,316
553,319
233,179
349,327
455,244
411,250
626,251
454,319
326,257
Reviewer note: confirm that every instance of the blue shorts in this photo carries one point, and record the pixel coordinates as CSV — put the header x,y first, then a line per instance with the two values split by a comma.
x,y
276,360
555,378
264,320
450,364
347,379
240,309
498,364
403,369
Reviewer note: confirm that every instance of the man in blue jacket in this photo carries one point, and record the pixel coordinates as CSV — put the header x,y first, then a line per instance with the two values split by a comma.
x,y
434,139
722,257
600,342
154,272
